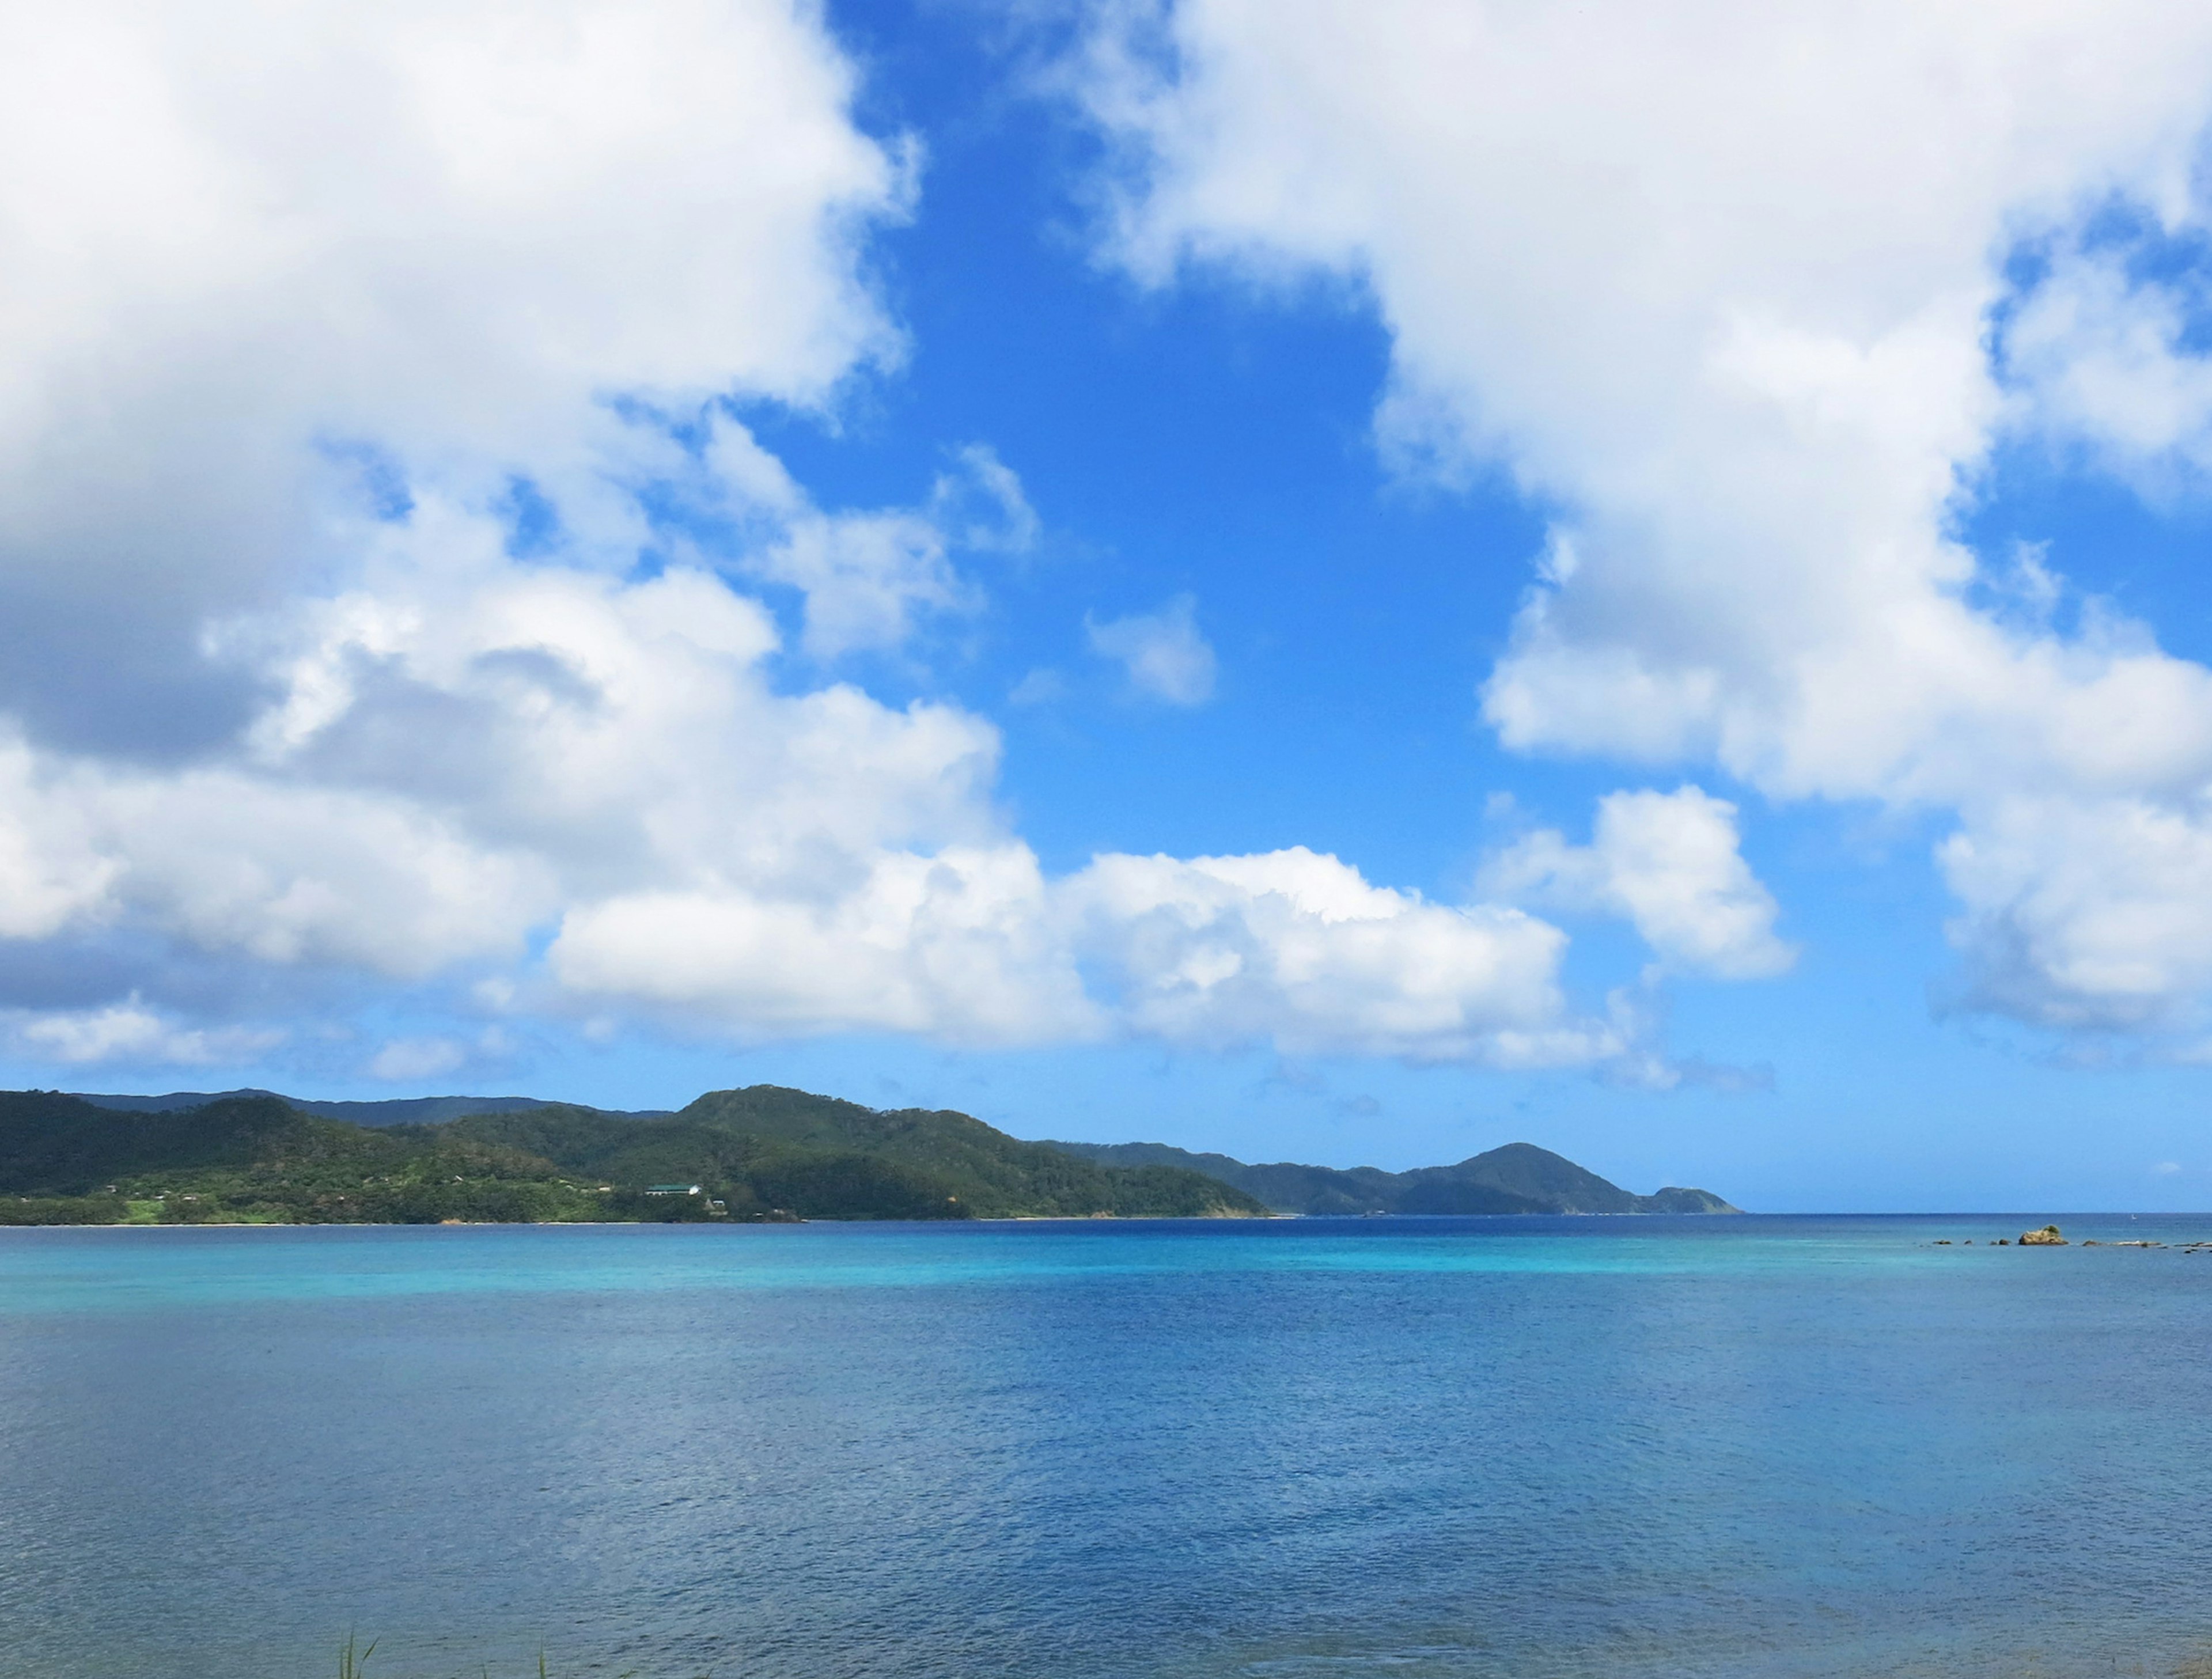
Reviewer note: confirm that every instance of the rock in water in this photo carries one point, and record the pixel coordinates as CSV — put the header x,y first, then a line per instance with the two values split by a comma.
x,y
2048,1236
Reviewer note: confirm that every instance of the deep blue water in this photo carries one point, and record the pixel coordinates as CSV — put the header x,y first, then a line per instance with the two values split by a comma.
x,y
1480,1447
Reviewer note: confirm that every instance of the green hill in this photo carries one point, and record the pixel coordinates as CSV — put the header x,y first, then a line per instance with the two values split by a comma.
x,y
760,1152
824,1158
755,1154
1519,1177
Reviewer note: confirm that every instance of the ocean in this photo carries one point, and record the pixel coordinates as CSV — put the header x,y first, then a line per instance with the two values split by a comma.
x,y
1481,1448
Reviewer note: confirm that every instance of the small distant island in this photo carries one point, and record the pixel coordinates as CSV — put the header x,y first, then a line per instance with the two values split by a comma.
x,y
761,1153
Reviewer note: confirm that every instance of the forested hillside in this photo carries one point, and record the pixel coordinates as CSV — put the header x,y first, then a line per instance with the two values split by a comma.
x,y
1519,1177
752,1155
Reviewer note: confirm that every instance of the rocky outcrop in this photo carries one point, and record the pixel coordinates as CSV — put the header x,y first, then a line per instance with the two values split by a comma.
x,y
2048,1236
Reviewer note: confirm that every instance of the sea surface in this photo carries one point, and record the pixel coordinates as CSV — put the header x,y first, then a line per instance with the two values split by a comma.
x,y
1481,1448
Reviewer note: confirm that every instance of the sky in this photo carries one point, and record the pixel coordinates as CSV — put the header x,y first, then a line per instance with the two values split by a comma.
x,y
1340,583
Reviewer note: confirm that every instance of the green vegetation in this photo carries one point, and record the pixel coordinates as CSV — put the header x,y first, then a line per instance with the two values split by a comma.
x,y
1520,1177
767,1147
761,1153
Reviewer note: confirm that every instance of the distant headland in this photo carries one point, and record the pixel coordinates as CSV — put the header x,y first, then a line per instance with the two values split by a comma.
x,y
762,1154
1519,1177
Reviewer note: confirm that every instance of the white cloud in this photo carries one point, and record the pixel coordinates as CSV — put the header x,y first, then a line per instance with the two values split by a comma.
x,y
866,578
1041,685
956,944
466,748
982,506
50,873
1668,863
2098,356
1163,654
128,1031
1299,949
291,300
870,578
2095,915
403,1060
297,308
1715,285
248,250
606,736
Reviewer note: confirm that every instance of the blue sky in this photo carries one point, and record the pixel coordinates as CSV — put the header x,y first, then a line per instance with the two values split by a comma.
x,y
1335,585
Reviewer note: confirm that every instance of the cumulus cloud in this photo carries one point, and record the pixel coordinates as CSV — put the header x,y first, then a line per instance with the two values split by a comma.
x,y
465,751
256,255
1300,949
955,943
49,874
128,1031
1718,286
2105,352
2087,913
1162,653
1667,862
393,592
303,311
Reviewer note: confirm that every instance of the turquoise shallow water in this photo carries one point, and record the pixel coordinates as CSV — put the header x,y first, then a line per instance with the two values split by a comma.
x,y
1483,1447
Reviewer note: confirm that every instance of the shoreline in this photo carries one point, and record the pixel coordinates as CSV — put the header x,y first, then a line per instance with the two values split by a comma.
x,y
1367,1221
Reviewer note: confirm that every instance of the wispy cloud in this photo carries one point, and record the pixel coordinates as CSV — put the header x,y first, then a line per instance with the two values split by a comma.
x,y
405,1059
1162,653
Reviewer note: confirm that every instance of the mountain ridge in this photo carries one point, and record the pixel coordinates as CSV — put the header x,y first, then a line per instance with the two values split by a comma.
x,y
763,1152
1514,1177
1517,1177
